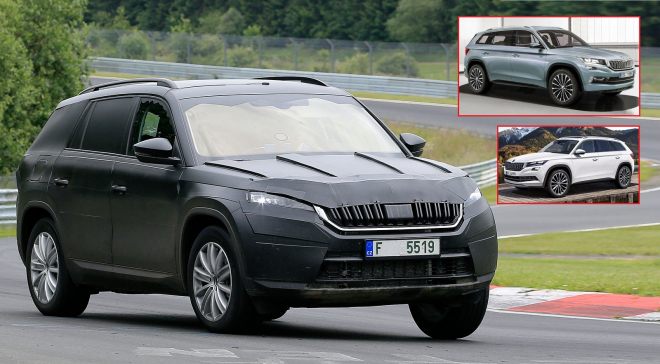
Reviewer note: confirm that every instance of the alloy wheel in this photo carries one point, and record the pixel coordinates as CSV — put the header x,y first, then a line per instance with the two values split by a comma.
x,y
559,183
624,176
476,78
44,267
562,87
212,281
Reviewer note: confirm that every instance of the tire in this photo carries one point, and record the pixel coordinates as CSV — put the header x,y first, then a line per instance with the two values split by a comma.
x,y
217,293
564,87
558,183
273,316
478,79
623,177
450,323
49,282
520,188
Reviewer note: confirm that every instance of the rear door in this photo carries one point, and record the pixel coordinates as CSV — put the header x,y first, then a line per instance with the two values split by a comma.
x,y
586,166
496,53
145,210
81,182
609,158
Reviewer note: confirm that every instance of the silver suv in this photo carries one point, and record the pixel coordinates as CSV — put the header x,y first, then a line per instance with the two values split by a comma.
x,y
546,57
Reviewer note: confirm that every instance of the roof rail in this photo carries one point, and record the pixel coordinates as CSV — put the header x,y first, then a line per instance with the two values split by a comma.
x,y
578,136
309,80
158,81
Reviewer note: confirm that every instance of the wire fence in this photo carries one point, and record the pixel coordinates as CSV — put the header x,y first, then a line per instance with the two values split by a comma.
x,y
434,61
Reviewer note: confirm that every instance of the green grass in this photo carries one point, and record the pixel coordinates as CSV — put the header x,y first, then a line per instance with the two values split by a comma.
x,y
647,171
433,100
625,241
455,147
638,277
6,231
490,193
651,113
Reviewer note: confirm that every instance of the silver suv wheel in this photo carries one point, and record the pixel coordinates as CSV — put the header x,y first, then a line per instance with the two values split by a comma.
x,y
476,78
212,281
44,267
562,87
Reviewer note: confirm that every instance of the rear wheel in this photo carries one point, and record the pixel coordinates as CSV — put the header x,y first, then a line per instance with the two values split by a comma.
x,y
558,183
623,177
564,87
478,79
215,287
51,287
449,323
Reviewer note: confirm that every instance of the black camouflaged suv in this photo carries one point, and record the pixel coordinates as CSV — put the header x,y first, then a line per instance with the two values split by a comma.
x,y
251,197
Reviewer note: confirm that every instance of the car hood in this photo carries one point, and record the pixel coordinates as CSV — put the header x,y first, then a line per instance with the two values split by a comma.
x,y
537,157
592,52
334,180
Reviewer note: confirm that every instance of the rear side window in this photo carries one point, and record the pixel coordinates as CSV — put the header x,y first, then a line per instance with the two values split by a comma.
x,y
107,125
502,38
602,146
617,146
587,146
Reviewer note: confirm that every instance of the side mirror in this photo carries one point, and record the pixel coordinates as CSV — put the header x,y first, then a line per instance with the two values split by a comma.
x,y
156,150
535,45
579,152
414,143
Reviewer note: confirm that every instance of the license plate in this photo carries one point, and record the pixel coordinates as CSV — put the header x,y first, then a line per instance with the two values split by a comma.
x,y
625,74
402,248
509,173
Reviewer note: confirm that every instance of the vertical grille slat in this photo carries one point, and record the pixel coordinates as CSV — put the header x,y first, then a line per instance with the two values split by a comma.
x,y
514,166
375,215
621,65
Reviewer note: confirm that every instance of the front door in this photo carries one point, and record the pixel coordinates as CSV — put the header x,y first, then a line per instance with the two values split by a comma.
x,y
527,64
586,166
144,205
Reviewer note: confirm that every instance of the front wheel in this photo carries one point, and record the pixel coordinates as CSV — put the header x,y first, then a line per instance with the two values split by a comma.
x,y
558,183
623,177
51,287
450,323
564,87
215,287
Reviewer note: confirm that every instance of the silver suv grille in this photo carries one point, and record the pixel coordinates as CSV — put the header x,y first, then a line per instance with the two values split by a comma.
x,y
621,65
514,166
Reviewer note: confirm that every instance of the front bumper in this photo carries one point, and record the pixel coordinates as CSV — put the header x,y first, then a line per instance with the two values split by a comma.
x,y
298,261
527,177
599,78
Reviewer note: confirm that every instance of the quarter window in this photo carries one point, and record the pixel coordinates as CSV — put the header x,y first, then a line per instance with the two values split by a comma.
x,y
107,125
483,39
151,121
617,146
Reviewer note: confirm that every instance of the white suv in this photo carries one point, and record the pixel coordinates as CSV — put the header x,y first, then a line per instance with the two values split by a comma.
x,y
572,160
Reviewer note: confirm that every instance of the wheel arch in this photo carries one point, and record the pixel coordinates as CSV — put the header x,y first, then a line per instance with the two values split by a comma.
x,y
32,212
474,61
624,163
555,167
571,67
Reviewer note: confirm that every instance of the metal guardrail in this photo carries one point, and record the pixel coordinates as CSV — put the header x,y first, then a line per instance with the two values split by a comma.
x,y
484,173
650,100
377,84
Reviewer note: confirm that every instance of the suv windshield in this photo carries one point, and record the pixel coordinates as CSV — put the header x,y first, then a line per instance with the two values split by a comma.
x,y
561,39
225,126
560,146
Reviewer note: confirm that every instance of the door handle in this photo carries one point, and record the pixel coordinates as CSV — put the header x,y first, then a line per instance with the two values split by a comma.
x,y
618,157
61,182
486,53
118,189
516,55
595,159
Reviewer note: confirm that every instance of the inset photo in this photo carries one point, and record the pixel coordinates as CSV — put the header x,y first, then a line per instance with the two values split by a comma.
x,y
568,164
548,66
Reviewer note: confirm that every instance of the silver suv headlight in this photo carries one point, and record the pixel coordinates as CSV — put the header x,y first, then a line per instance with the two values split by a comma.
x,y
268,199
592,60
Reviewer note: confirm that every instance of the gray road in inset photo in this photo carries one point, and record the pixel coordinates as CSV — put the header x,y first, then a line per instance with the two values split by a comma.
x,y
163,329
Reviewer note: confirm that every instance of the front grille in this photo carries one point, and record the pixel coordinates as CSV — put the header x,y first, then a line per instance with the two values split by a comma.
x,y
514,166
621,65
396,215
353,272
520,179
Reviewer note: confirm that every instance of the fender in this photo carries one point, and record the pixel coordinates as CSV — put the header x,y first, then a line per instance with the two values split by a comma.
x,y
565,166
32,204
483,65
572,67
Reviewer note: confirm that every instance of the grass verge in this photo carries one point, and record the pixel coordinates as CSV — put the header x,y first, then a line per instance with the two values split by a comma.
x,y
455,147
626,241
646,171
638,277
6,231
490,193
651,113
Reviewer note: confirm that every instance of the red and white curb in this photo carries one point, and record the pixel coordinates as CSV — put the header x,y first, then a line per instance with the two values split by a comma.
x,y
579,304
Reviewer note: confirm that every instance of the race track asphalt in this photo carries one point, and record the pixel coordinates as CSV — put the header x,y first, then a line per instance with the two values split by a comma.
x,y
119,328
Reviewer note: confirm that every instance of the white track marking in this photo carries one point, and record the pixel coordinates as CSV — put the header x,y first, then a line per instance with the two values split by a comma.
x,y
582,230
502,298
575,317
653,316
202,353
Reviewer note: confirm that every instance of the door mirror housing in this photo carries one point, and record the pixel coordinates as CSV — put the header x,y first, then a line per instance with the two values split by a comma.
x,y
579,152
155,150
414,143
535,45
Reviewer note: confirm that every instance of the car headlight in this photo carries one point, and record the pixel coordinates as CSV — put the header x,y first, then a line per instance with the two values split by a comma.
x,y
592,60
535,163
268,199
476,195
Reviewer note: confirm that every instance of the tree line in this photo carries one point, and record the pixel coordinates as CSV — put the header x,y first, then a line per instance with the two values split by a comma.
x,y
422,21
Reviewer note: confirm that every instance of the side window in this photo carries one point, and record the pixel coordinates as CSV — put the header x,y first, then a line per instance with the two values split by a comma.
x,y
617,146
523,38
602,146
106,127
152,120
483,39
587,146
502,38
